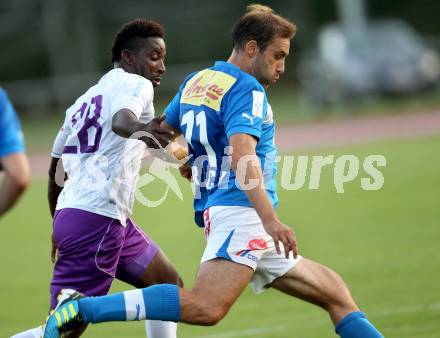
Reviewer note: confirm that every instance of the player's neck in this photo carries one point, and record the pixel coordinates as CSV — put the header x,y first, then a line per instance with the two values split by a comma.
x,y
241,62
124,67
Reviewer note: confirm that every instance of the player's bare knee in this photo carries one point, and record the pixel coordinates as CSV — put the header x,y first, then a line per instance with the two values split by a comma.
x,y
206,311
213,314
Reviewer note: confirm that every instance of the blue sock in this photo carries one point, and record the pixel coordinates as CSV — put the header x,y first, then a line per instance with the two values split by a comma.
x,y
160,302
356,325
103,309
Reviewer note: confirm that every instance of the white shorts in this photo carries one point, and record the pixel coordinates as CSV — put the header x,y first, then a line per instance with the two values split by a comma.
x,y
236,234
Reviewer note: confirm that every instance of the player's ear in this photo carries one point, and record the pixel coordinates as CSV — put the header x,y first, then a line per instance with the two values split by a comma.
x,y
127,56
251,48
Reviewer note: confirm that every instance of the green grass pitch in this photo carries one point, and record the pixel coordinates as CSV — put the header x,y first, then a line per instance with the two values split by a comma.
x,y
384,243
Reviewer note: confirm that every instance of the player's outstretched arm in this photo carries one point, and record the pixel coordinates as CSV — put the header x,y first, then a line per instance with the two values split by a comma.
x,y
247,168
14,181
126,124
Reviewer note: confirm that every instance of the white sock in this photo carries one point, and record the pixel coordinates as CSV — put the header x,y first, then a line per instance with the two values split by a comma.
x,y
32,333
160,329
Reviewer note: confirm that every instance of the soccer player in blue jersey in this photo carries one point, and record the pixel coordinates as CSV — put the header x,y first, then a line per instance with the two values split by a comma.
x,y
228,123
14,166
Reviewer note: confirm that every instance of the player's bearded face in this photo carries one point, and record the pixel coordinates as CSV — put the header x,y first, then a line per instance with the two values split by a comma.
x,y
269,64
149,62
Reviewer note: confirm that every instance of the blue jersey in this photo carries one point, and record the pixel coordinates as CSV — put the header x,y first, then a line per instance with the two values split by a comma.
x,y
211,106
11,136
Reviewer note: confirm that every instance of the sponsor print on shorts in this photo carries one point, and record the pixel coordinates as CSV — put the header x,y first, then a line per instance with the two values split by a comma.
x,y
247,254
257,244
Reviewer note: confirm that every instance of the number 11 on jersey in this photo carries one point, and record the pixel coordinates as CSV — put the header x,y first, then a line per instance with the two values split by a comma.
x,y
188,119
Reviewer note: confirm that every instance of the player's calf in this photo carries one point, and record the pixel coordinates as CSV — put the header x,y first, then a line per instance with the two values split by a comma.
x,y
321,286
335,296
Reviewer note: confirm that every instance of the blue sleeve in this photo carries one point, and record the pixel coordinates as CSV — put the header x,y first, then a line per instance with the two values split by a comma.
x,y
244,110
11,136
172,111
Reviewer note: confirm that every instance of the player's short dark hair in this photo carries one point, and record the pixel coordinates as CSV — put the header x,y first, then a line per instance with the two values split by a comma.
x,y
131,34
262,24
